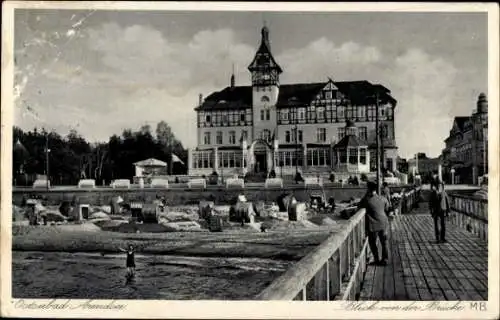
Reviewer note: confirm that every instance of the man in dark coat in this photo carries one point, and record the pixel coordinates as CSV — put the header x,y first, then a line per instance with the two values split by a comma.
x,y
439,206
376,207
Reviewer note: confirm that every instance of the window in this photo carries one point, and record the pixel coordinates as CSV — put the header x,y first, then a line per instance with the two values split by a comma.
x,y
242,117
244,135
202,159
350,112
371,113
232,137
321,134
353,155
342,156
328,95
311,114
207,118
389,113
287,136
230,159
340,112
320,113
266,135
218,138
268,114
361,113
262,115
300,136
388,164
362,133
264,99
362,156
302,113
341,133
206,138
384,129
318,157
284,114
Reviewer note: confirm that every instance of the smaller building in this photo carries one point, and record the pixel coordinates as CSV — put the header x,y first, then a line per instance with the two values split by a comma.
x,y
426,167
465,156
351,154
150,167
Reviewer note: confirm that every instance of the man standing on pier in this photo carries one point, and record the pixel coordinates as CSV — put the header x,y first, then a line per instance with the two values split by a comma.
x,y
376,220
439,206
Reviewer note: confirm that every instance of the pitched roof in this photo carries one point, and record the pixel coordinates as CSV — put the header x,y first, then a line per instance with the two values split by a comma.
x,y
349,141
461,122
263,56
151,162
297,94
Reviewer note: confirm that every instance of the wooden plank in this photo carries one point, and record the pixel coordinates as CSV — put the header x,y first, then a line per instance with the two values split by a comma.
x,y
424,270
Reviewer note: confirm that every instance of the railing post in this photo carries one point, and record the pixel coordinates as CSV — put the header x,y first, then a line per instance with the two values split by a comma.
x,y
327,281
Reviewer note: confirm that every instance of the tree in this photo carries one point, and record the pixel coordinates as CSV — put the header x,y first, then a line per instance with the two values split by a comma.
x,y
164,134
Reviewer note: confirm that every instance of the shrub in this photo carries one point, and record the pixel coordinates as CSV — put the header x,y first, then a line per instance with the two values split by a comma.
x,y
363,177
298,177
332,177
272,174
214,178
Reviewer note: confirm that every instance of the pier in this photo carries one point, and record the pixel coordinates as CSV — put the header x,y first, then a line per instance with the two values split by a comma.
x,y
419,268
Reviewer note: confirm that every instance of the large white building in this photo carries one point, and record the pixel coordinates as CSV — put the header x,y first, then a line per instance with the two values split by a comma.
x,y
255,129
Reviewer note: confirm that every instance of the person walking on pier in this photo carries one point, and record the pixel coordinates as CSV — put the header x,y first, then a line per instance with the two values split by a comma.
x,y
439,206
376,221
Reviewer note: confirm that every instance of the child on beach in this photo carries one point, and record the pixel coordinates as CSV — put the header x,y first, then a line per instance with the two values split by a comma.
x,y
130,260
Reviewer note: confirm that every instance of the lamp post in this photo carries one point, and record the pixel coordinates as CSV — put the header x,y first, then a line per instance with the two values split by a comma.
x,y
377,134
47,150
296,136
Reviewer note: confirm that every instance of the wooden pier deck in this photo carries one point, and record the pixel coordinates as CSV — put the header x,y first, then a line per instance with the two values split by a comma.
x,y
421,269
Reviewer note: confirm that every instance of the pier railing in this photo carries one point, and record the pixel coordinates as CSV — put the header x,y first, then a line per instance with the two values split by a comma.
x,y
470,213
332,271
335,269
409,199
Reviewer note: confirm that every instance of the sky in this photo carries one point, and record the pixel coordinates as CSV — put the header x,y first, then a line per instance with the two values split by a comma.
x,y
99,72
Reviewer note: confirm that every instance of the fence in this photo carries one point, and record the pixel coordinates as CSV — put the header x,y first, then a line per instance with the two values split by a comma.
x,y
470,213
273,183
332,271
235,183
409,199
197,183
313,181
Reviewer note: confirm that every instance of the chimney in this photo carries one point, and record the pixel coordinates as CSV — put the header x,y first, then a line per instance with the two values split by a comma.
x,y
232,78
200,99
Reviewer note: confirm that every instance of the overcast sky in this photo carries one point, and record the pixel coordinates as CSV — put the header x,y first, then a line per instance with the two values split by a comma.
x,y
102,71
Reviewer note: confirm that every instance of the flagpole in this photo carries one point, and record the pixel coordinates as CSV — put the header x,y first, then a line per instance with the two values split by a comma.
x,y
377,130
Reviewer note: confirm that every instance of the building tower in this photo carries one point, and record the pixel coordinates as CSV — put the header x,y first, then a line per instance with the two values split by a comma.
x,y
480,138
265,88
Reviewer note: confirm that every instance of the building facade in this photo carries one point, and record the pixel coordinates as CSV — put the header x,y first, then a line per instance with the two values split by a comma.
x,y
465,156
424,166
287,127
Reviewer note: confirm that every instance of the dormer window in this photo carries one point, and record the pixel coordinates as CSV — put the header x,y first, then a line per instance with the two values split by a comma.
x,y
207,118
